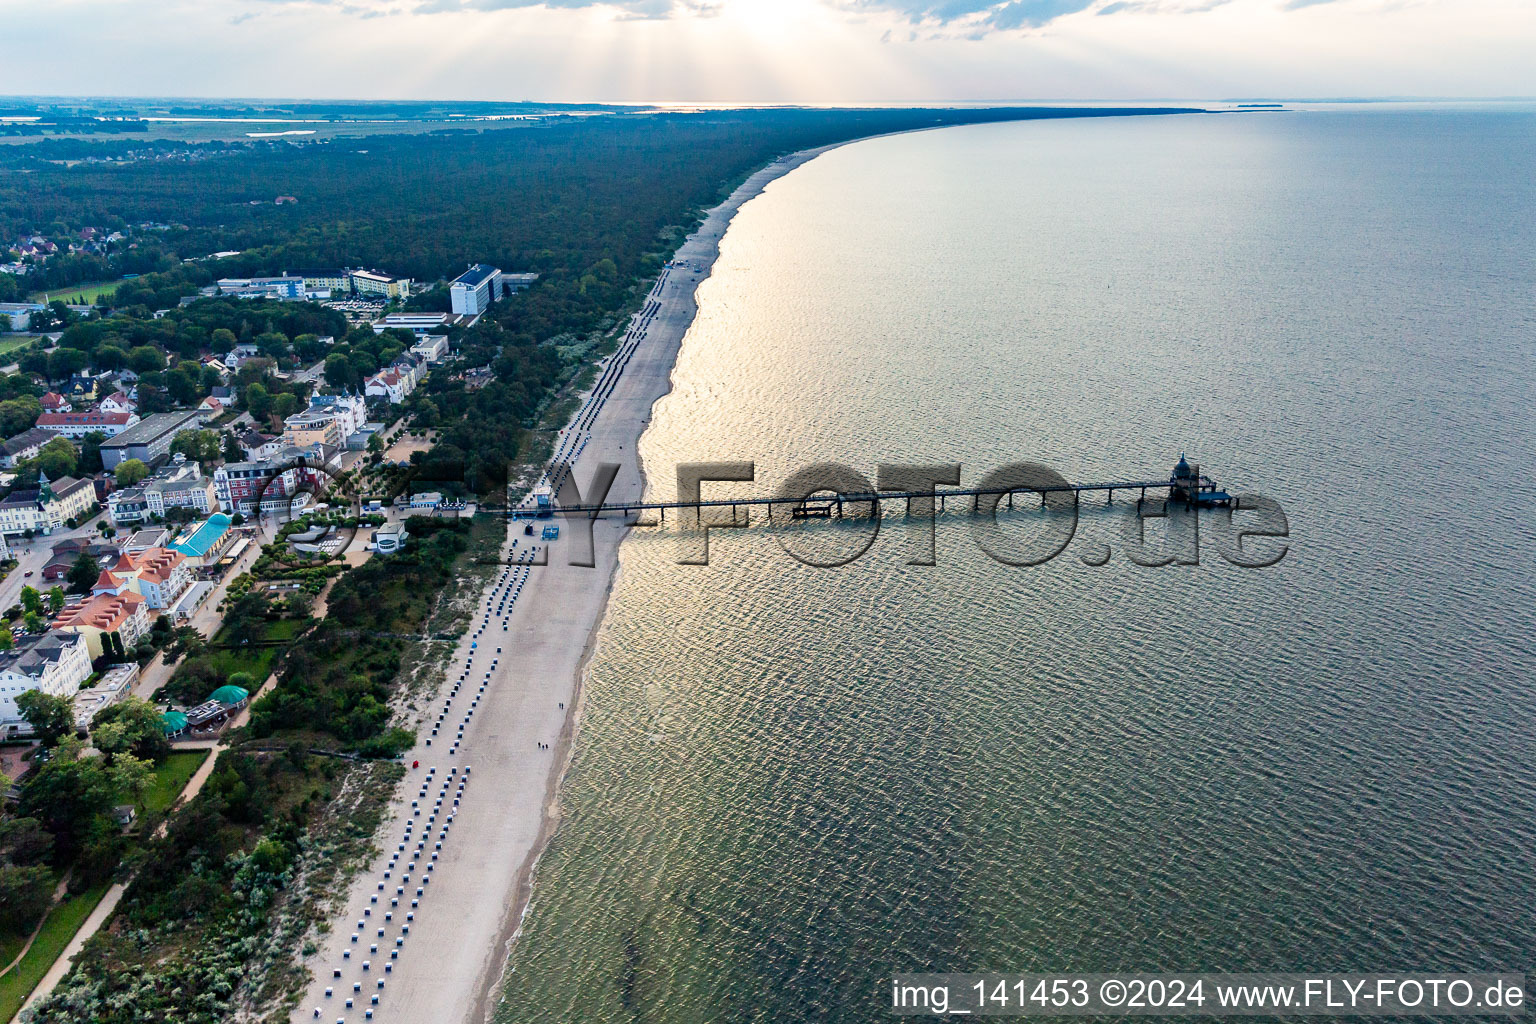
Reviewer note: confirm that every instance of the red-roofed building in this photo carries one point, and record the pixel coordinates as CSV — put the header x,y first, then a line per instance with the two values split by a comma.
x,y
124,615
117,402
158,575
78,424
55,402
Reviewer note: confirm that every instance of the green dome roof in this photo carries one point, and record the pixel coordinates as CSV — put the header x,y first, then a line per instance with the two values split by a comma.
x,y
229,695
173,721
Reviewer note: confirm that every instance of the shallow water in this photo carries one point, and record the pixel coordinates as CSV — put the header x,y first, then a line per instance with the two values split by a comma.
x,y
792,782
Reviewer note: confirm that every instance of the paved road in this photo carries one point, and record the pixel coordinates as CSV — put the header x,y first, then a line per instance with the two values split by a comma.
x,y
33,555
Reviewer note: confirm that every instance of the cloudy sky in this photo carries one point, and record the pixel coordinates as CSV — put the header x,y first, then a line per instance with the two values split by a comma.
x,y
743,51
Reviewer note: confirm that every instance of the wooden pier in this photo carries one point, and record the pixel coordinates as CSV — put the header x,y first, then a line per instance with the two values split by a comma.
x,y
1184,486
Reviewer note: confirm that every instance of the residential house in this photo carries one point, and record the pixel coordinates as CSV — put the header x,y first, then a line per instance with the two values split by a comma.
x,y
54,402
66,552
312,426
433,348
83,389
66,498
275,481
258,446
117,401
180,484
350,410
127,505
23,446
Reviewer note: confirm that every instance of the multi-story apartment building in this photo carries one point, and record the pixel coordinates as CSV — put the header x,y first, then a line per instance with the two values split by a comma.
x,y
78,424
158,575
239,485
47,507
179,485
55,663
373,282
124,615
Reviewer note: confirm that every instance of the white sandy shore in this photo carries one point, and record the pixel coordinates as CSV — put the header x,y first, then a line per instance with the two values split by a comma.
x,y
450,965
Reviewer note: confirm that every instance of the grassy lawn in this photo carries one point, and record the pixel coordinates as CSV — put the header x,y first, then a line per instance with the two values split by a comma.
x,y
255,660
171,778
77,294
58,929
10,946
12,344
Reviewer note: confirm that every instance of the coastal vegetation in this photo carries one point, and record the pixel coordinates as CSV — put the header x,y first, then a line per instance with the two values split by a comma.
x,y
218,906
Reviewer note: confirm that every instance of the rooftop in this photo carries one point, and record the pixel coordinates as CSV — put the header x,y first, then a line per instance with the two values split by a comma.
x,y
151,428
476,275
81,419
202,539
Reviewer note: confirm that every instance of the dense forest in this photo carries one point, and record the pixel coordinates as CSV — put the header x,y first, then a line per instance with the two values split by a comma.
x,y
594,205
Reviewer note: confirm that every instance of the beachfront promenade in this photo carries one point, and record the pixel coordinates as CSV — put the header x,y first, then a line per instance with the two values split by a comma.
x,y
504,718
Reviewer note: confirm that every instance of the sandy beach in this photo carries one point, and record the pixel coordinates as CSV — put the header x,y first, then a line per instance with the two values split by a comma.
x,y
532,636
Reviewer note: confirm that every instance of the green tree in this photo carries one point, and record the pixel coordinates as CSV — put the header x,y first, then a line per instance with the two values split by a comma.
x,y
69,795
24,841
258,401
130,472
130,726
222,340
35,622
34,361
272,344
182,386
63,363
90,453
285,405
109,357
197,445
59,457
50,716
145,359
31,599
7,639
56,600
25,892
83,574
18,414
338,371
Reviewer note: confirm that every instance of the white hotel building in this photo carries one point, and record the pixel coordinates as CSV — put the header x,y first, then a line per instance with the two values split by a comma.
x,y
473,291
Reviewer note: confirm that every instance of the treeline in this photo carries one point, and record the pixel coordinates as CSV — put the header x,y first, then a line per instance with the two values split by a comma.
x,y
555,196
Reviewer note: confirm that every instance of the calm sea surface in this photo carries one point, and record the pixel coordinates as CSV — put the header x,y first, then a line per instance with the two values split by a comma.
x,y
792,782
